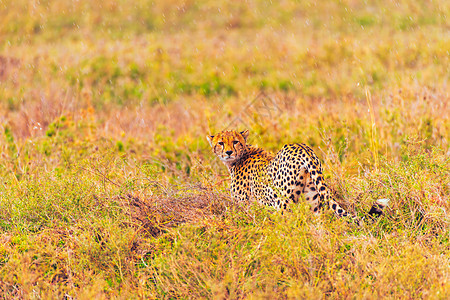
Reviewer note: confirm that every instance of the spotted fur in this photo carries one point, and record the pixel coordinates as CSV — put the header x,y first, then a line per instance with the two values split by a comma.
x,y
276,180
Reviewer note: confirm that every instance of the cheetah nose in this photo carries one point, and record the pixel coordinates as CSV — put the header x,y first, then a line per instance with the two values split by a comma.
x,y
229,152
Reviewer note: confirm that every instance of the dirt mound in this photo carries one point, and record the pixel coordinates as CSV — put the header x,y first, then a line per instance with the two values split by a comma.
x,y
157,213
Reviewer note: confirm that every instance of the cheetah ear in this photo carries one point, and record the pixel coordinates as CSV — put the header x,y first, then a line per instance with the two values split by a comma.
x,y
210,139
245,134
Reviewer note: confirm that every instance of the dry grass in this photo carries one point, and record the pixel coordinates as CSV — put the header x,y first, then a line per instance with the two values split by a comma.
x,y
153,216
108,187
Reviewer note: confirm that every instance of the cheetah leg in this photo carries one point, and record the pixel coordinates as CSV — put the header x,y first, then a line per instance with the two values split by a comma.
x,y
317,199
312,196
316,191
299,186
318,194
316,184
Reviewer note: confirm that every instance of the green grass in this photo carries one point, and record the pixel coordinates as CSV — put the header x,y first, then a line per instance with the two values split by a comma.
x,y
108,188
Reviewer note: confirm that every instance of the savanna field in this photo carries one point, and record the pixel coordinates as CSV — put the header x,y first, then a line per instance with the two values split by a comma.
x,y
109,188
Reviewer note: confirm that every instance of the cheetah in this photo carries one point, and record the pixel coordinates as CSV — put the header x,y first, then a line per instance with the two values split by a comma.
x,y
276,179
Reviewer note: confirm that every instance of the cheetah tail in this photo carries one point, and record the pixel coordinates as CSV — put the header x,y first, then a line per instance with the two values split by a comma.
x,y
378,207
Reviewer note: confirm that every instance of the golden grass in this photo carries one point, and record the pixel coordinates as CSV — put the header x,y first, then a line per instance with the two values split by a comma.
x,y
109,189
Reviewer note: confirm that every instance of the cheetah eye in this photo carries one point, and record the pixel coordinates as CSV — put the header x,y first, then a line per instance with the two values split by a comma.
x,y
235,142
220,143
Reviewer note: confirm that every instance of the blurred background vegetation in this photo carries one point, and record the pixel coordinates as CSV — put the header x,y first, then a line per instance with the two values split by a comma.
x,y
108,187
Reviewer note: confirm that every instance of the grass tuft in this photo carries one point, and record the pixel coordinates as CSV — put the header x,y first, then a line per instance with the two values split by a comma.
x,y
108,187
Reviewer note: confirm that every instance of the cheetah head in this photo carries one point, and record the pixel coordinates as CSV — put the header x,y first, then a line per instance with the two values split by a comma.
x,y
229,145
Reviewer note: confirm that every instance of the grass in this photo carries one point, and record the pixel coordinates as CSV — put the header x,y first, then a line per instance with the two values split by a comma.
x,y
108,188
